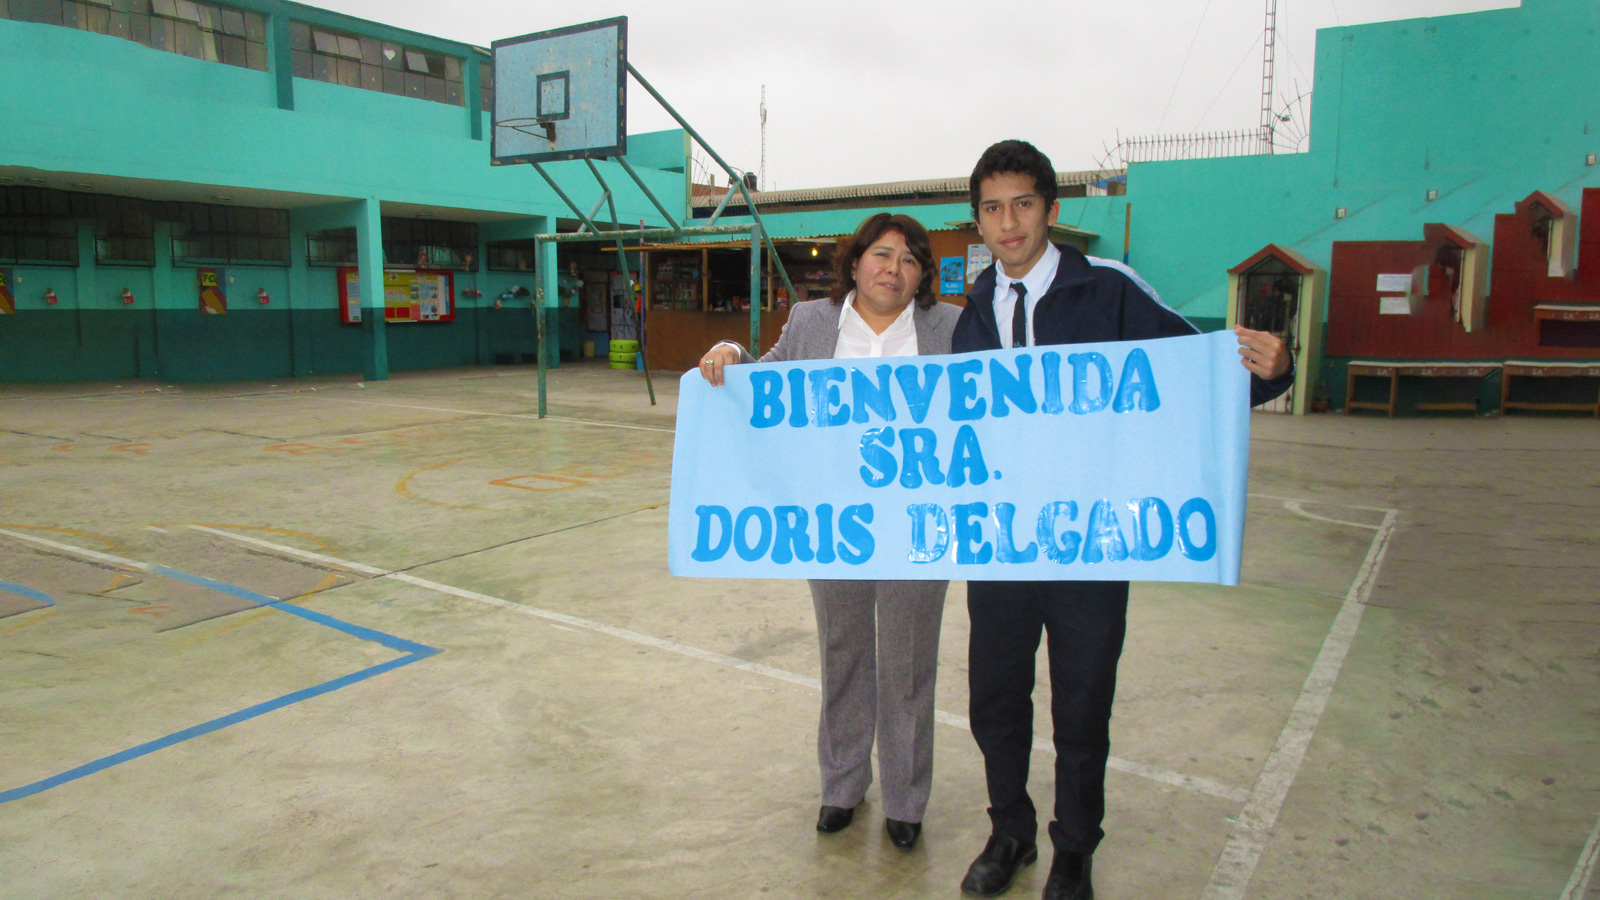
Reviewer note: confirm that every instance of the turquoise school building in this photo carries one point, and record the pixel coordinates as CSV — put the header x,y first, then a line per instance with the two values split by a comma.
x,y
297,154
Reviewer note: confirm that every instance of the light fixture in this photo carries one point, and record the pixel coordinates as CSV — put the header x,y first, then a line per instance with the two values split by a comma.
x,y
1589,160
1432,195
1339,213
813,249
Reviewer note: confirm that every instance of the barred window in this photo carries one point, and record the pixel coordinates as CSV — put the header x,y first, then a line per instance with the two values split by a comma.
x,y
37,227
363,62
124,233
512,256
209,234
430,244
208,31
334,247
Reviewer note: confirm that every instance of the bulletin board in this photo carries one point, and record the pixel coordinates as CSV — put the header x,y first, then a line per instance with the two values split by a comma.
x,y
409,295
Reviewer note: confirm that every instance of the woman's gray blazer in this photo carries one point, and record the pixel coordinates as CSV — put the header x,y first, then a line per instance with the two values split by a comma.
x,y
812,331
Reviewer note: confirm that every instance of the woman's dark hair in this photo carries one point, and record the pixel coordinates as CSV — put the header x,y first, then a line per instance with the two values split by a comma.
x,y
876,226
1015,158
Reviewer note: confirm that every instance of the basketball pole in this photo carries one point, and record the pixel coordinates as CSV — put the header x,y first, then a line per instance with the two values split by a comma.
x,y
627,276
733,177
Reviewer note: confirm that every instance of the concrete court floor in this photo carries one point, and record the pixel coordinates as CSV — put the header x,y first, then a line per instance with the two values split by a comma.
x,y
591,727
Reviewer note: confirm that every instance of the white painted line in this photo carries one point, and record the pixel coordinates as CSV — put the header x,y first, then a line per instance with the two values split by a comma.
x,y
156,529
1295,507
474,412
302,554
1173,779
1382,509
1254,827
78,551
1578,885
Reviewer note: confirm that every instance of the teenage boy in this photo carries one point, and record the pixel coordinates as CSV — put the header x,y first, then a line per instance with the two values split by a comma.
x,y
1042,293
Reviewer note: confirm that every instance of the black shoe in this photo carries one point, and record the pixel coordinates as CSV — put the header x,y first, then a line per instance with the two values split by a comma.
x,y
991,874
834,818
902,834
1069,877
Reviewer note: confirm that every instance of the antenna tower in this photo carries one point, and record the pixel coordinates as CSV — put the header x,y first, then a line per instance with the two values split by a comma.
x,y
1268,63
763,178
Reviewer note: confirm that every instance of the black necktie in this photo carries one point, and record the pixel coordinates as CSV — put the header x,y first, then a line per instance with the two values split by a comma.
x,y
1019,317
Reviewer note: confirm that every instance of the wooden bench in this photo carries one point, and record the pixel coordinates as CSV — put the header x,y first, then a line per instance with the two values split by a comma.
x,y
1527,368
1394,371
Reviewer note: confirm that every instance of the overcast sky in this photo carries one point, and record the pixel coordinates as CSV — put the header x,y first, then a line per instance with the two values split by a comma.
x,y
862,91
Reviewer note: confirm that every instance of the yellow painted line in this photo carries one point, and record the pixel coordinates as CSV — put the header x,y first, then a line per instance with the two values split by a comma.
x,y
108,542
118,581
48,614
283,531
403,488
240,622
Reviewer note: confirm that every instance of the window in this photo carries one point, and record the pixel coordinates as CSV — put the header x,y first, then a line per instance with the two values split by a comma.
x,y
368,63
124,233
335,247
512,256
206,31
37,227
430,244
486,86
207,234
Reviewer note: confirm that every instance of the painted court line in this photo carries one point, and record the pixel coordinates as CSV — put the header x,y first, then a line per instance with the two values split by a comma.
x,y
1251,832
412,652
1173,779
22,590
474,412
1578,885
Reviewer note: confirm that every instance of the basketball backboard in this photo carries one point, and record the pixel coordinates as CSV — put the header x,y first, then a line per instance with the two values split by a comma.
x,y
561,94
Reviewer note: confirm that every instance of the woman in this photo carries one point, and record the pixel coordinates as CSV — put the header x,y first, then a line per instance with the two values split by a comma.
x,y
879,639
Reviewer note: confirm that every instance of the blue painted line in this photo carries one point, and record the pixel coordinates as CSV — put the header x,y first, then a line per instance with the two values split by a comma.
x,y
366,634
22,590
413,651
179,737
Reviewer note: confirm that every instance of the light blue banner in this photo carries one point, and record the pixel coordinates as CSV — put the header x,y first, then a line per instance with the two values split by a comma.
x,y
1116,462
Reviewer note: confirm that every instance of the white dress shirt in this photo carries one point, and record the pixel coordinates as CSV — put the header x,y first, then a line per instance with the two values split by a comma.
x,y
1036,282
857,340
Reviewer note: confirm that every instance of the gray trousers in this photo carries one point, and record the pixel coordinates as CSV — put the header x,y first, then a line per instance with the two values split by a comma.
x,y
880,649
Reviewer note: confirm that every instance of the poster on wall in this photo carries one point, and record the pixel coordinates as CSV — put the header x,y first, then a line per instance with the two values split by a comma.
x,y
952,275
213,297
409,295
8,302
978,259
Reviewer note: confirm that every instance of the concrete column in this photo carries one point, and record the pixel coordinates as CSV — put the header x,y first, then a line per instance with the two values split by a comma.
x,y
548,299
369,252
161,287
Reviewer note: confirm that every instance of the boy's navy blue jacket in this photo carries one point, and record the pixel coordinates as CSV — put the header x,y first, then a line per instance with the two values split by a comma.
x,y
1088,302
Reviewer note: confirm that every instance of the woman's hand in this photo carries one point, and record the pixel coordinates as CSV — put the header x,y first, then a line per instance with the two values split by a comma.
x,y
712,363
1262,352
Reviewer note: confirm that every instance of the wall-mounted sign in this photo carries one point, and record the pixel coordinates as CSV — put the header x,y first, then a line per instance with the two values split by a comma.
x,y
1394,283
952,275
213,296
409,295
978,259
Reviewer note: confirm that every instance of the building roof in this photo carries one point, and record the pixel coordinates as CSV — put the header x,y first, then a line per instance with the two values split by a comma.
x,y
955,188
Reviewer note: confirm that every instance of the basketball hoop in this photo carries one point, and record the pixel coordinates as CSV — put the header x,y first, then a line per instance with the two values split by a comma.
x,y
533,126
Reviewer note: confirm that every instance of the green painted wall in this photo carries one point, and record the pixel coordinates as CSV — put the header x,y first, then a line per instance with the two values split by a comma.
x,y
143,123
1484,108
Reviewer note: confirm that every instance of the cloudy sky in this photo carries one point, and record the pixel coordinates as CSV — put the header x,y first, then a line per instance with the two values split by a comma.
x,y
862,91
